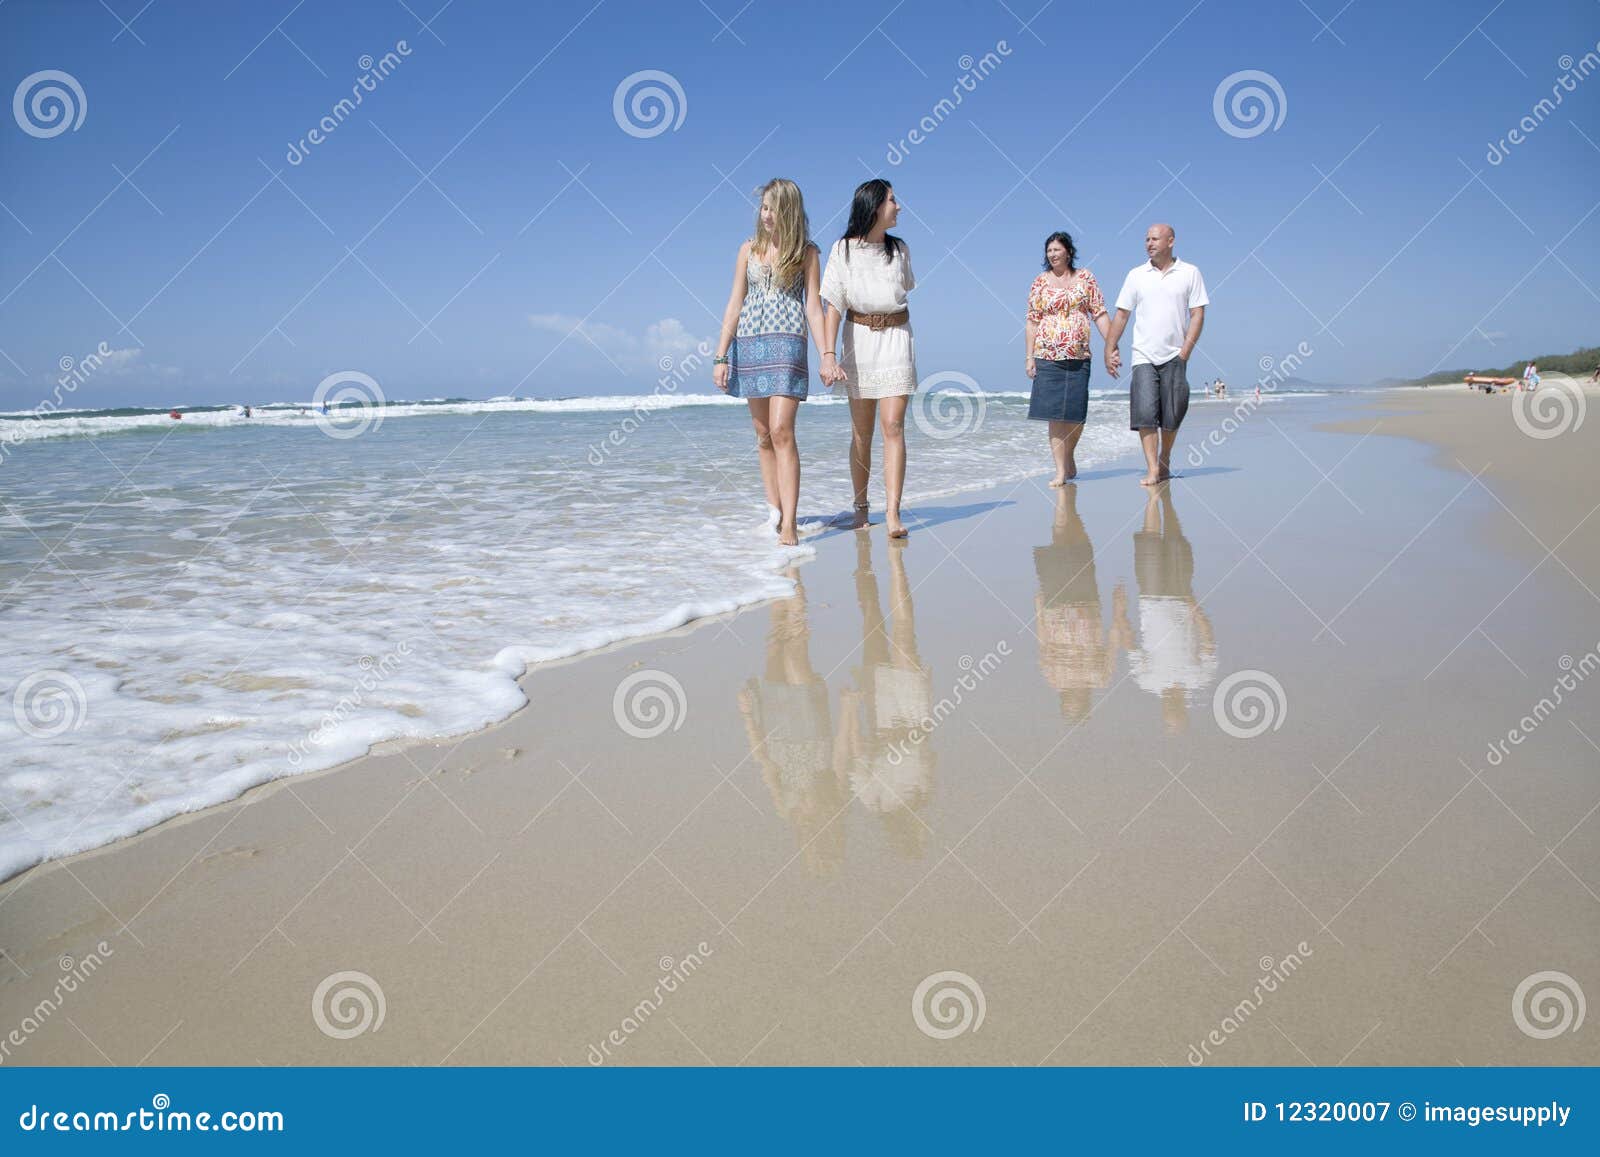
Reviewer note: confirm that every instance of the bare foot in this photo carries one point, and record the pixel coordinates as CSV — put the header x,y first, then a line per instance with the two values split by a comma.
x,y
858,517
896,530
1057,482
788,536
1151,480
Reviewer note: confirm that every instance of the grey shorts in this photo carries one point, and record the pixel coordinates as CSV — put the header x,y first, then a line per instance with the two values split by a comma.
x,y
1158,395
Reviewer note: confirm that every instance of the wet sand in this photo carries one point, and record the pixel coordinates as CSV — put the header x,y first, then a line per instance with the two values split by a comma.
x,y
1090,831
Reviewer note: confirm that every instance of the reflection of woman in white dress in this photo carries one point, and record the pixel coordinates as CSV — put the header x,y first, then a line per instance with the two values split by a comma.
x,y
865,285
791,738
882,746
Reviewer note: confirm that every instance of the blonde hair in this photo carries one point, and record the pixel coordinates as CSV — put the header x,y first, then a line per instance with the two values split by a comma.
x,y
791,237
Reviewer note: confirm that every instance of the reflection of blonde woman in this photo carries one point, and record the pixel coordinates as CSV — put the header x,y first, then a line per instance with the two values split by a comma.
x,y
1177,652
773,303
786,723
889,768
1076,653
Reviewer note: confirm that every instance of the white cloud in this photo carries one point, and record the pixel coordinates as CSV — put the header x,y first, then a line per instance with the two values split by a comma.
x,y
667,338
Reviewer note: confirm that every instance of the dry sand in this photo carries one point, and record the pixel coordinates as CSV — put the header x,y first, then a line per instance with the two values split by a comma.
x,y
771,878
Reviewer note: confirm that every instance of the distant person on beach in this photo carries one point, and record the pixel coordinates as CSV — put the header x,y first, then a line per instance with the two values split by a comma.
x,y
175,416
1064,304
247,411
1530,377
1177,652
1077,654
865,285
761,355
1168,300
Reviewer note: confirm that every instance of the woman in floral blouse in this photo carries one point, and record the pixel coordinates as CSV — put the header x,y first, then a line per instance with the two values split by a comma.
x,y
1063,304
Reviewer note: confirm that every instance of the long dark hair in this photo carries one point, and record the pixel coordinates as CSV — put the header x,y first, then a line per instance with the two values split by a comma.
x,y
1072,250
869,199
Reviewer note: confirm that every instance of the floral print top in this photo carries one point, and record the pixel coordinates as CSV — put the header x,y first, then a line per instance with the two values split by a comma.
x,y
1064,315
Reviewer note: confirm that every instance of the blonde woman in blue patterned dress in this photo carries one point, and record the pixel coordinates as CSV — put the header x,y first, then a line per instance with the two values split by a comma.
x,y
761,356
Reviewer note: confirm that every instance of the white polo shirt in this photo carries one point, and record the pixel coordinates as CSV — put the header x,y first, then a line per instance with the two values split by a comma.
x,y
1160,304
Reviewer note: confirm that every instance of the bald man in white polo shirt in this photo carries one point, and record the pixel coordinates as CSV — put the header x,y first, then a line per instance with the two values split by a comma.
x,y
1167,298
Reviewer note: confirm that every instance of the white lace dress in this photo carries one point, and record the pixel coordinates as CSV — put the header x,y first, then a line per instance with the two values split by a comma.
x,y
878,363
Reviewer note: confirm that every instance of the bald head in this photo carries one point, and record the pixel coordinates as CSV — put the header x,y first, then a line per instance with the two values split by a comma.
x,y
1158,241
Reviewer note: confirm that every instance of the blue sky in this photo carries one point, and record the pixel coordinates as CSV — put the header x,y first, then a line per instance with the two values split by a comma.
x,y
1368,224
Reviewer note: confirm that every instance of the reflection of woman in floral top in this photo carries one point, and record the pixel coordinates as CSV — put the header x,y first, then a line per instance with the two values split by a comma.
x,y
1063,303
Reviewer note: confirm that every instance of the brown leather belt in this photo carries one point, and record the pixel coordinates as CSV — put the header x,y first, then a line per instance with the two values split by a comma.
x,y
879,320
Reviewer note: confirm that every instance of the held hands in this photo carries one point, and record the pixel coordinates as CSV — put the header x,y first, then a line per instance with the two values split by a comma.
x,y
1113,360
831,371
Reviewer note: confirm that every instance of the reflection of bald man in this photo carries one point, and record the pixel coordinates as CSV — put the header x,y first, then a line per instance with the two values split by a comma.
x,y
1076,653
1177,651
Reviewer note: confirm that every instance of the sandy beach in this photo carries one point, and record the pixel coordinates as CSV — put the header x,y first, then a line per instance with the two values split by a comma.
x,y
1217,774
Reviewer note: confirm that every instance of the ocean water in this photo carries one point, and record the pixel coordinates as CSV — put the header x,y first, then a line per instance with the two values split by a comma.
x,y
195,607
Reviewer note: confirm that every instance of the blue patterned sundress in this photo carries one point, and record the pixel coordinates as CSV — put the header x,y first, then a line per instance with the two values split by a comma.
x,y
768,356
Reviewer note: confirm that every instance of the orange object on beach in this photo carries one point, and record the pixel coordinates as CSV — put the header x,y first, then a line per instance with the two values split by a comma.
x,y
1483,380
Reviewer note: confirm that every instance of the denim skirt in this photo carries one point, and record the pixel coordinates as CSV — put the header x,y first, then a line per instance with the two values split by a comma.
x,y
1060,390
